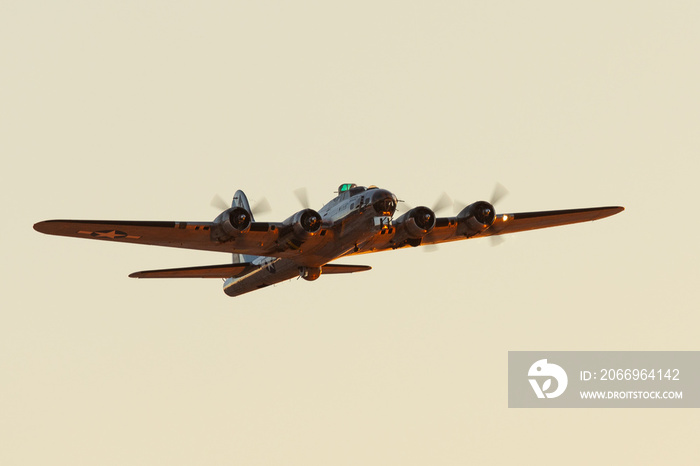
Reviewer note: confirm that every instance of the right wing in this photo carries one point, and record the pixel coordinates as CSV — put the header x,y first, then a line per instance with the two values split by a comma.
x,y
523,221
448,229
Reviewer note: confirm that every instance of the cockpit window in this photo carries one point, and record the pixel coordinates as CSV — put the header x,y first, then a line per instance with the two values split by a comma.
x,y
345,187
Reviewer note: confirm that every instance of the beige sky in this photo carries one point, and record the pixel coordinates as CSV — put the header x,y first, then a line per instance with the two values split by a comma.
x,y
145,110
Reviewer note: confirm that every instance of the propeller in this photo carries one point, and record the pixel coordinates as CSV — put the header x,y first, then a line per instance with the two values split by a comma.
x,y
496,240
261,207
441,203
402,206
430,248
499,192
302,195
218,202
310,222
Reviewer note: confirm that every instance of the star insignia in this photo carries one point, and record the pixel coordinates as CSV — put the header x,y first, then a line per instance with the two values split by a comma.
x,y
109,234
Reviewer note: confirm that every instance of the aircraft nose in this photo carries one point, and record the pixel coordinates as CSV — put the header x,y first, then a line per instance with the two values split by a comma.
x,y
384,202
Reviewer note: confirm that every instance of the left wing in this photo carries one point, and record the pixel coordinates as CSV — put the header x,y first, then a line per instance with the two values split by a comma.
x,y
263,239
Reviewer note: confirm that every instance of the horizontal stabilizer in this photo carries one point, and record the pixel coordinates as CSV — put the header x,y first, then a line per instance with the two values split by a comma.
x,y
206,271
344,268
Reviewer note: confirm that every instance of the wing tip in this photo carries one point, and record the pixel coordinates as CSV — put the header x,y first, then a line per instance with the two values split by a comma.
x,y
344,268
41,226
47,226
614,210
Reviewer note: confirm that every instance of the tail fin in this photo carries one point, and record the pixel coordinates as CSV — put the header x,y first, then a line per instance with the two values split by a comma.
x,y
240,200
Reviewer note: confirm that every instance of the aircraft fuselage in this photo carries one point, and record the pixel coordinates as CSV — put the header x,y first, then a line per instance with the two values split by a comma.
x,y
349,221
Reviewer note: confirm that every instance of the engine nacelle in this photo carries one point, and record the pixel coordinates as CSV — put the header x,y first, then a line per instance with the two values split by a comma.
x,y
475,218
416,223
229,223
304,223
309,273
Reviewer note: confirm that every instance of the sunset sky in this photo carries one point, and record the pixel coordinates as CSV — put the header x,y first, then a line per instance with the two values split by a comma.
x,y
144,110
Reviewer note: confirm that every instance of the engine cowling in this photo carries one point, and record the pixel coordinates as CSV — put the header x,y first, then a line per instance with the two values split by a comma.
x,y
230,223
475,218
417,222
305,223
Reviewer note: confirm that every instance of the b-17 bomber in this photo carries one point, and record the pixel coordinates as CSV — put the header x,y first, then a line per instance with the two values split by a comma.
x,y
359,220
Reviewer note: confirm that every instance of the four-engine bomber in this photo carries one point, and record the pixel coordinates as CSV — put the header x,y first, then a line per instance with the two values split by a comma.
x,y
358,220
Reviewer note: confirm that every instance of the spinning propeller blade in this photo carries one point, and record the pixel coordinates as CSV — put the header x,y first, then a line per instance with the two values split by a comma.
x,y
303,196
218,202
261,207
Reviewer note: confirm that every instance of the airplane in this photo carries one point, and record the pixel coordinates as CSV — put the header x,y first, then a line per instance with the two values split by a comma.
x,y
358,220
